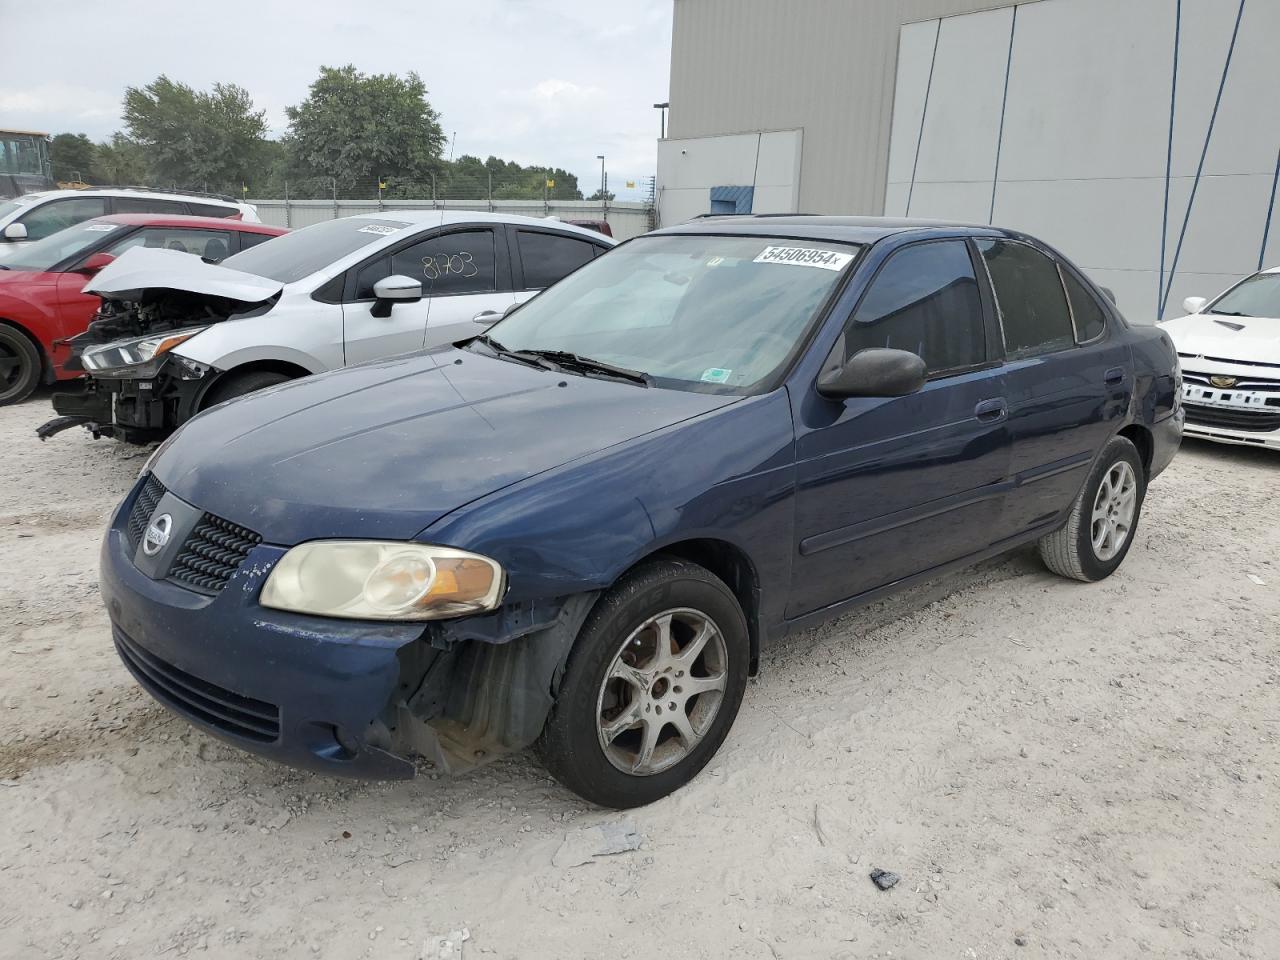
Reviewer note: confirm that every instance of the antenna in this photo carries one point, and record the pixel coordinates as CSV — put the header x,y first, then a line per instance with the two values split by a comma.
x,y
452,141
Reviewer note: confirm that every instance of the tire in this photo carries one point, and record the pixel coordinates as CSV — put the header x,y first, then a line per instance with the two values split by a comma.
x,y
1080,549
239,384
20,365
609,768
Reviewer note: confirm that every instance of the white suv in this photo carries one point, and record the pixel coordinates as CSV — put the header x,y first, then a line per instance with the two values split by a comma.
x,y
336,293
35,216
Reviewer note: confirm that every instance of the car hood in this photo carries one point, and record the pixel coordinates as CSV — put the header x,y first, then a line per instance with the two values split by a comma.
x,y
144,268
1245,339
383,450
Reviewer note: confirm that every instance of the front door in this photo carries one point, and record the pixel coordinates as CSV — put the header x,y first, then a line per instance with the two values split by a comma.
x,y
887,488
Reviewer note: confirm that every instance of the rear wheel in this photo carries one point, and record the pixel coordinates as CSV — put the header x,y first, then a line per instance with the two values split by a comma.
x,y
1098,533
239,384
651,688
20,365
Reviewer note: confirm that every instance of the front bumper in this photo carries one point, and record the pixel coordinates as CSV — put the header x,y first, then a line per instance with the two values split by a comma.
x,y
139,409
316,694
1228,403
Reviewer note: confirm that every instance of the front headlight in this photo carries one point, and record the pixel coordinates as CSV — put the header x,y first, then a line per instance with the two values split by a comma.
x,y
133,353
373,580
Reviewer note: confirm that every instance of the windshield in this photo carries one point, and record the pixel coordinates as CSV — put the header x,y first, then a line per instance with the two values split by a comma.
x,y
1259,296
53,249
703,313
299,254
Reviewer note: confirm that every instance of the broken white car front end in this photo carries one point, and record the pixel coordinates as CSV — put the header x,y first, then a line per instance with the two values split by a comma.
x,y
136,388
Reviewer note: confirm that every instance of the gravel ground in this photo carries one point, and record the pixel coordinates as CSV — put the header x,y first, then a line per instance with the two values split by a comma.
x,y
1053,769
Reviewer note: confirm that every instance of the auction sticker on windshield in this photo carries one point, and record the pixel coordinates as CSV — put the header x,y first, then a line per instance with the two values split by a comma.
x,y
100,227
805,257
378,228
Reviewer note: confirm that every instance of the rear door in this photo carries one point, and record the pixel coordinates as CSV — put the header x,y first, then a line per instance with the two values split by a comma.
x,y
1068,377
891,487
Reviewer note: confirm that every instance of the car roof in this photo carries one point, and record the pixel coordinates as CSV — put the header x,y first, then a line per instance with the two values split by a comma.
x,y
127,192
862,230
431,217
181,220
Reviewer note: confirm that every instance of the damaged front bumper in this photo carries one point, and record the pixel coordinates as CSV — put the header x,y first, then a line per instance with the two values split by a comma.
x,y
347,698
139,404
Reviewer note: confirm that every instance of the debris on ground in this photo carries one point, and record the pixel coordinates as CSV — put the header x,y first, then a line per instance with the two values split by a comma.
x,y
884,879
601,841
448,947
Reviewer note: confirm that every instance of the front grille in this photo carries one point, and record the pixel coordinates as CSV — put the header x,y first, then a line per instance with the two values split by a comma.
x,y
1242,383
143,507
199,699
212,554
1257,421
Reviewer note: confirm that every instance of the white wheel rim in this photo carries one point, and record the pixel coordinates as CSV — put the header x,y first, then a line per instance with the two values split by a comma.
x,y
1113,511
662,691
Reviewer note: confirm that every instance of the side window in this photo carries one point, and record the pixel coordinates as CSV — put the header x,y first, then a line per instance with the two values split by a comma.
x,y
549,257
1033,305
460,262
209,244
924,299
212,210
248,240
47,219
147,205
1089,317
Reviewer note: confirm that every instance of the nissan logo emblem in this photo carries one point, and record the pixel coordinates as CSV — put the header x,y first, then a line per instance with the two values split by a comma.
x,y
157,535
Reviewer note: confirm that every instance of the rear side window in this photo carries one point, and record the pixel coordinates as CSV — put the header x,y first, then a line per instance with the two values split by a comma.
x,y
1090,320
925,300
212,210
549,257
147,205
47,219
248,240
1033,305
454,263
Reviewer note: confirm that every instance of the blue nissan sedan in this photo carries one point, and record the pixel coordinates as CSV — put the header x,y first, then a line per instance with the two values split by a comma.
x,y
578,530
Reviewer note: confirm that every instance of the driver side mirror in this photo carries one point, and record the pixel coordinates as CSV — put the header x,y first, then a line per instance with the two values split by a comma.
x,y
95,262
396,288
15,231
1194,304
875,372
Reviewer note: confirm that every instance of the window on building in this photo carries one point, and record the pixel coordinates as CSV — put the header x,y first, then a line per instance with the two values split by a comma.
x,y
548,257
925,300
1033,305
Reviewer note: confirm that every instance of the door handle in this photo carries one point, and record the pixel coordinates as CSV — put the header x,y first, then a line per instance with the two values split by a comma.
x,y
991,411
1115,375
487,316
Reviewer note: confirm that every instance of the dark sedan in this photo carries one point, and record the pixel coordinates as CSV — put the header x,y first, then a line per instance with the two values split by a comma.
x,y
578,530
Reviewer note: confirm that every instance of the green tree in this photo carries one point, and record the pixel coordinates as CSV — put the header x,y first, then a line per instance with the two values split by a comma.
x,y
120,161
469,177
356,128
599,195
74,157
196,139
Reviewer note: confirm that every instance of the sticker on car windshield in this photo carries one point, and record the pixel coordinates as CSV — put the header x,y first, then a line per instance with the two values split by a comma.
x,y
378,228
100,227
805,257
716,375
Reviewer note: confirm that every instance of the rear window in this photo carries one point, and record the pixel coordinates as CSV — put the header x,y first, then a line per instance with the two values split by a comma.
x,y
303,252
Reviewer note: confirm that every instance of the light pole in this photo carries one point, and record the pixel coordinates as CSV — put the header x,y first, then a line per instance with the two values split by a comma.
x,y
663,108
600,157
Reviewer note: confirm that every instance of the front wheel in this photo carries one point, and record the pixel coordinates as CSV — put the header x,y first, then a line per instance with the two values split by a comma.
x,y
651,688
1097,535
239,384
20,365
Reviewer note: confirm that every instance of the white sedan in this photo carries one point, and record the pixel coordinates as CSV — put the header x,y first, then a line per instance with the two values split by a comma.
x,y
1230,353
177,334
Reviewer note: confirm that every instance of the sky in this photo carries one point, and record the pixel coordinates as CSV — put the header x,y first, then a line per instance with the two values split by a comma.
x,y
551,82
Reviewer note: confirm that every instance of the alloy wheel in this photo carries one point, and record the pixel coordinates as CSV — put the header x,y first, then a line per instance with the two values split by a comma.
x,y
1113,510
662,691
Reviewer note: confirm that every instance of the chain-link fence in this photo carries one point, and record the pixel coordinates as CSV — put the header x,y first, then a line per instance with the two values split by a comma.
x,y
306,201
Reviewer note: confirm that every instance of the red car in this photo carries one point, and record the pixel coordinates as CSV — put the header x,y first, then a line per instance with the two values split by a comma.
x,y
41,304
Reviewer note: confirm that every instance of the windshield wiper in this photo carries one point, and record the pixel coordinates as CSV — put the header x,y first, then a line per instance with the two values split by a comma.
x,y
528,358
1228,313
587,365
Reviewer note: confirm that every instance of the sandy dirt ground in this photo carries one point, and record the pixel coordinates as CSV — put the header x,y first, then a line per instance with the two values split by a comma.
x,y
1053,769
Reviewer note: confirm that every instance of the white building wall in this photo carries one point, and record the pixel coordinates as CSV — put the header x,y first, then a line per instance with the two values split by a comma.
x,y
1084,148
688,169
